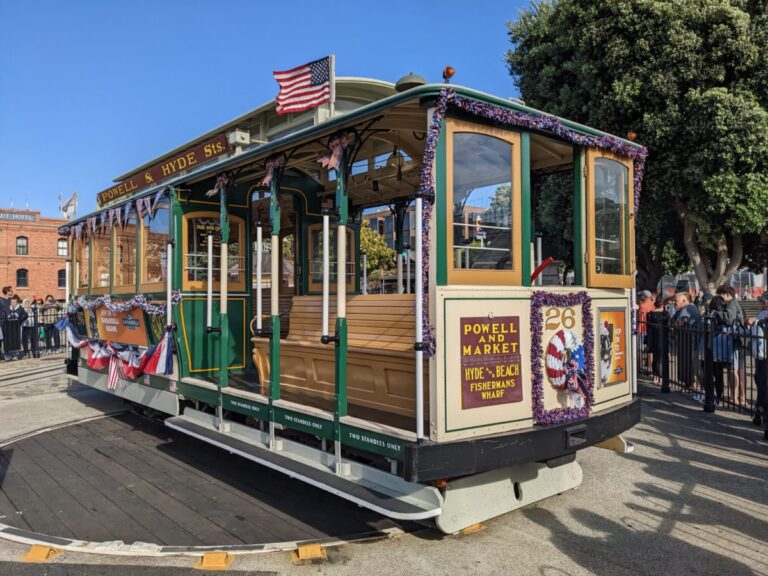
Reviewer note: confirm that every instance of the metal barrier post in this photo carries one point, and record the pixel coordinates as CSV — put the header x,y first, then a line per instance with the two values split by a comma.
x,y
664,333
709,383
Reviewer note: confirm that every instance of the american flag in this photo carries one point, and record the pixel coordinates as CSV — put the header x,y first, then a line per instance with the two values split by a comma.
x,y
304,87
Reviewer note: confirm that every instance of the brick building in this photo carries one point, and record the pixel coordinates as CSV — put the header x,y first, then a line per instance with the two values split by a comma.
x,y
32,254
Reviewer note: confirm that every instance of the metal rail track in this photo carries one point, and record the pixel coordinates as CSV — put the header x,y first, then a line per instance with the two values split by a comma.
x,y
21,376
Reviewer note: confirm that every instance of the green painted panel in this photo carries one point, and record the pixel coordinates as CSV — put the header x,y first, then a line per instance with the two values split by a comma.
x,y
373,442
247,407
304,423
196,393
441,213
525,214
579,202
200,350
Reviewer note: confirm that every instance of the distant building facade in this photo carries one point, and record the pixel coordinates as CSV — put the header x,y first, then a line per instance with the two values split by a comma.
x,y
32,254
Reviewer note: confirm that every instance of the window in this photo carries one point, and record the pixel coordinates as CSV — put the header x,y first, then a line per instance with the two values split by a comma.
x,y
197,228
154,243
22,278
62,276
610,233
22,246
102,244
82,262
484,198
316,257
63,247
125,256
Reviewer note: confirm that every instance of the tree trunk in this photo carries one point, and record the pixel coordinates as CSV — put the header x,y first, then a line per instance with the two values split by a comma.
x,y
649,270
711,274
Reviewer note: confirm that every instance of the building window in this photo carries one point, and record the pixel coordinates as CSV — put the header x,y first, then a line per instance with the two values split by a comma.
x,y
22,278
22,246
62,278
63,247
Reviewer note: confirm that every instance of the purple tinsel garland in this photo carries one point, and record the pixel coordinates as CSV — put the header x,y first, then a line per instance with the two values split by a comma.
x,y
512,118
539,299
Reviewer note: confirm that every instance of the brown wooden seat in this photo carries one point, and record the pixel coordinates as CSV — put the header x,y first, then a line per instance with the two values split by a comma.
x,y
380,359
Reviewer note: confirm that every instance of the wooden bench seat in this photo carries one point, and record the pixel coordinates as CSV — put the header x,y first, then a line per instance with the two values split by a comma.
x,y
380,361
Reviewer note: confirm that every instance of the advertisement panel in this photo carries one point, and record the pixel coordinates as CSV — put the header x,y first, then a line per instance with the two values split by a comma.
x,y
122,327
613,346
490,361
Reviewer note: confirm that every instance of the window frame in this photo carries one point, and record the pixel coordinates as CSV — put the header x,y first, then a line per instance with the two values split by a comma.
x,y
480,276
26,278
24,247
77,245
596,279
62,242
123,288
61,282
318,286
94,248
201,285
143,231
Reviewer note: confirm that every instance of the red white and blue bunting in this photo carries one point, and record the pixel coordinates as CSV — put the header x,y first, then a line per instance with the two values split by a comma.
x,y
138,301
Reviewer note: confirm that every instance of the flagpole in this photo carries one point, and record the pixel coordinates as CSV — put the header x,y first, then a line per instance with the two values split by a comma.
x,y
332,104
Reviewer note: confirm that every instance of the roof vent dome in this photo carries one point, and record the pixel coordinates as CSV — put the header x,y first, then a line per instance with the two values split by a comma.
x,y
412,80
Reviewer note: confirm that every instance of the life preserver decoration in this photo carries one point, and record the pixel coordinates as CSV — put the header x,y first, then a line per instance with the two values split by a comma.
x,y
565,362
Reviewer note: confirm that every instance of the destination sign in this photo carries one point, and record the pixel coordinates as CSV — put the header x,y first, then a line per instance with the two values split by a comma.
x,y
490,361
159,172
123,327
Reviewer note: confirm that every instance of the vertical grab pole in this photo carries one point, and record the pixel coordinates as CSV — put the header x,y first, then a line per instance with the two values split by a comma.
x,y
326,267
169,283
365,273
408,270
400,272
419,326
340,384
223,297
259,303
209,296
274,336
634,329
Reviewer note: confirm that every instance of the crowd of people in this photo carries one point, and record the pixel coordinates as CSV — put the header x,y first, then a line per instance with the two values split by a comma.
x,y
734,337
27,326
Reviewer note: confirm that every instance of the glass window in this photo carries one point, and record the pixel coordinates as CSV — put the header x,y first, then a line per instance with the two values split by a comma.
x,y
62,278
22,278
81,265
62,247
22,246
196,234
101,259
316,257
155,235
611,197
125,255
482,202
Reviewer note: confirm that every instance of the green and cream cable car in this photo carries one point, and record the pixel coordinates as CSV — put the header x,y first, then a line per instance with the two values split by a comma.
x,y
501,347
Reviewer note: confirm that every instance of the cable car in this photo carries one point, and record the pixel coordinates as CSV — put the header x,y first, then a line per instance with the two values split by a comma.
x,y
224,287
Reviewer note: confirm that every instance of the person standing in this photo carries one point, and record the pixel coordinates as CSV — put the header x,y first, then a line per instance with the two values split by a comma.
x,y
646,306
50,315
685,318
28,331
16,317
758,327
5,309
733,318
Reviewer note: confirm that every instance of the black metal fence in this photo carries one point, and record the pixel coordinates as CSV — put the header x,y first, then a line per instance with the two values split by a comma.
x,y
33,336
722,366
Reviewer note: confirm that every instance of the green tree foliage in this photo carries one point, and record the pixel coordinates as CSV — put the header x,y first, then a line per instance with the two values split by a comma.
x,y
379,255
690,77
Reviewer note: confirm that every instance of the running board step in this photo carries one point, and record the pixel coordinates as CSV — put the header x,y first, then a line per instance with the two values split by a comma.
x,y
367,487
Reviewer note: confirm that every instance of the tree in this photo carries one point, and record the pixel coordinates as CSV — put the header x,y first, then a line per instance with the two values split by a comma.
x,y
690,77
379,255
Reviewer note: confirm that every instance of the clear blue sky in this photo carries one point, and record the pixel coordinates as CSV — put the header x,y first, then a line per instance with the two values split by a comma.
x,y
90,89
